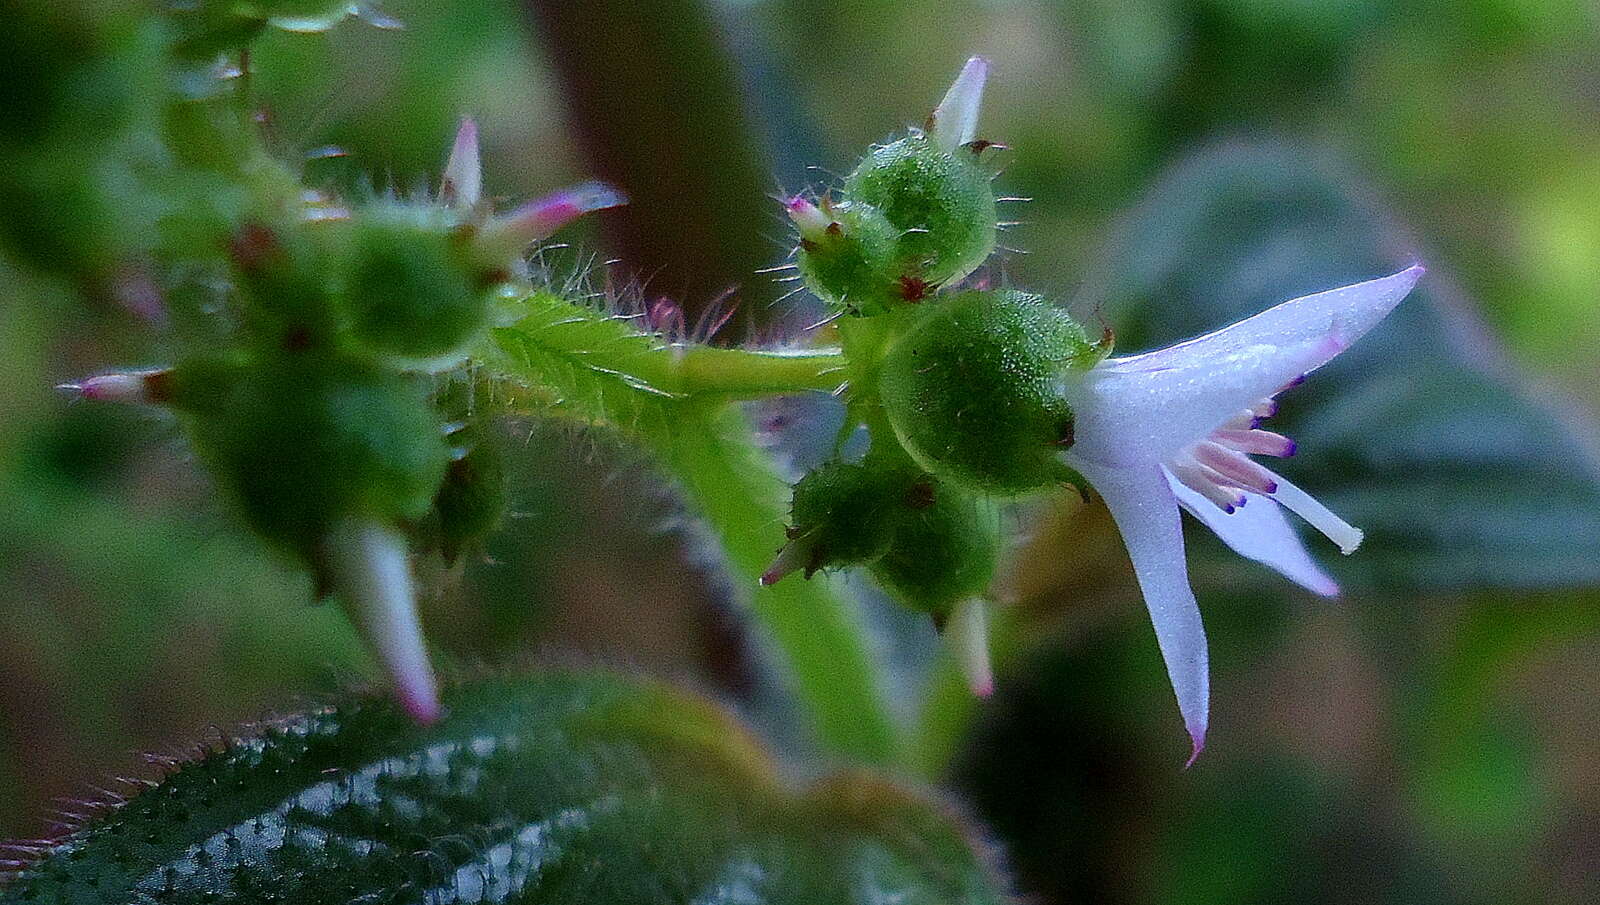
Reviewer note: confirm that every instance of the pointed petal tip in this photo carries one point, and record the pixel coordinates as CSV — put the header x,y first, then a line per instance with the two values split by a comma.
x,y
463,172
135,387
792,557
421,702
809,219
967,633
955,121
976,67
1404,281
371,572
595,196
541,217
1198,739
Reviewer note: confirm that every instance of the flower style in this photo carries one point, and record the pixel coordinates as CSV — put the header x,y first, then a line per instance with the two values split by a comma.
x,y
1176,427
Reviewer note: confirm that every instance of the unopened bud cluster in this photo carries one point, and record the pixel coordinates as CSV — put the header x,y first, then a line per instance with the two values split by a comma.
x,y
916,215
311,334
960,387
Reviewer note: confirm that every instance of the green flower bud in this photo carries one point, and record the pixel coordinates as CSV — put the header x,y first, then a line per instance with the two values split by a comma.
x,y
287,302
973,390
939,202
472,498
944,550
843,514
306,441
408,283
847,255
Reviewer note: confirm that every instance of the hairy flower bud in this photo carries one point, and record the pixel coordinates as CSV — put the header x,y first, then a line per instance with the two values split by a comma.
x,y
843,514
408,285
930,545
944,551
939,203
847,255
973,390
308,440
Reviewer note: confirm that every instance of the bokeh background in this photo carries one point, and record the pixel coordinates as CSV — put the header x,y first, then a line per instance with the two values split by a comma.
x,y
1430,738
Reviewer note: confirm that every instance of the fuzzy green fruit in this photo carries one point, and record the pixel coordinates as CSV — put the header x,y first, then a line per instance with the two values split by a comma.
x,y
845,514
853,264
282,274
305,441
408,286
973,390
943,552
940,204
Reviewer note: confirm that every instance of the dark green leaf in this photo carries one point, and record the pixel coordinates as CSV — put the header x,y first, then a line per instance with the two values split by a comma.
x,y
556,788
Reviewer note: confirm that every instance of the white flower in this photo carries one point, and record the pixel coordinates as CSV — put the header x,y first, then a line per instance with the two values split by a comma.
x,y
1175,428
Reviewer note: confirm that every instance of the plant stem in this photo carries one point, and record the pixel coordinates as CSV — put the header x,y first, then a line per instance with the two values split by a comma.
x,y
741,374
676,401
741,497
609,350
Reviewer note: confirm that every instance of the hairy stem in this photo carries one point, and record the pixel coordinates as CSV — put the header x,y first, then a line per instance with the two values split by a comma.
x,y
677,402
735,489
568,337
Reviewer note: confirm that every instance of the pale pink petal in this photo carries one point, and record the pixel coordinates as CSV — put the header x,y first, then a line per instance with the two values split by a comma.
x,y
1125,417
539,218
1146,512
807,217
1259,531
133,386
371,574
1346,313
463,175
967,633
955,121
1146,407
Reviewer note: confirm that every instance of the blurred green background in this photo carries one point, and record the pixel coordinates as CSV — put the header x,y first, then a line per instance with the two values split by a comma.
x,y
1431,738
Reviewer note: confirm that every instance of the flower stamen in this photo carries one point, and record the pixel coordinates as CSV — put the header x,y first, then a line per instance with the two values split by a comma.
x,y
1255,442
1218,468
1235,467
1208,483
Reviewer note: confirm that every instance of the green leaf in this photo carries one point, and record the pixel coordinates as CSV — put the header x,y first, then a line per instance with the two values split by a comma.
x,y
1419,434
559,787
